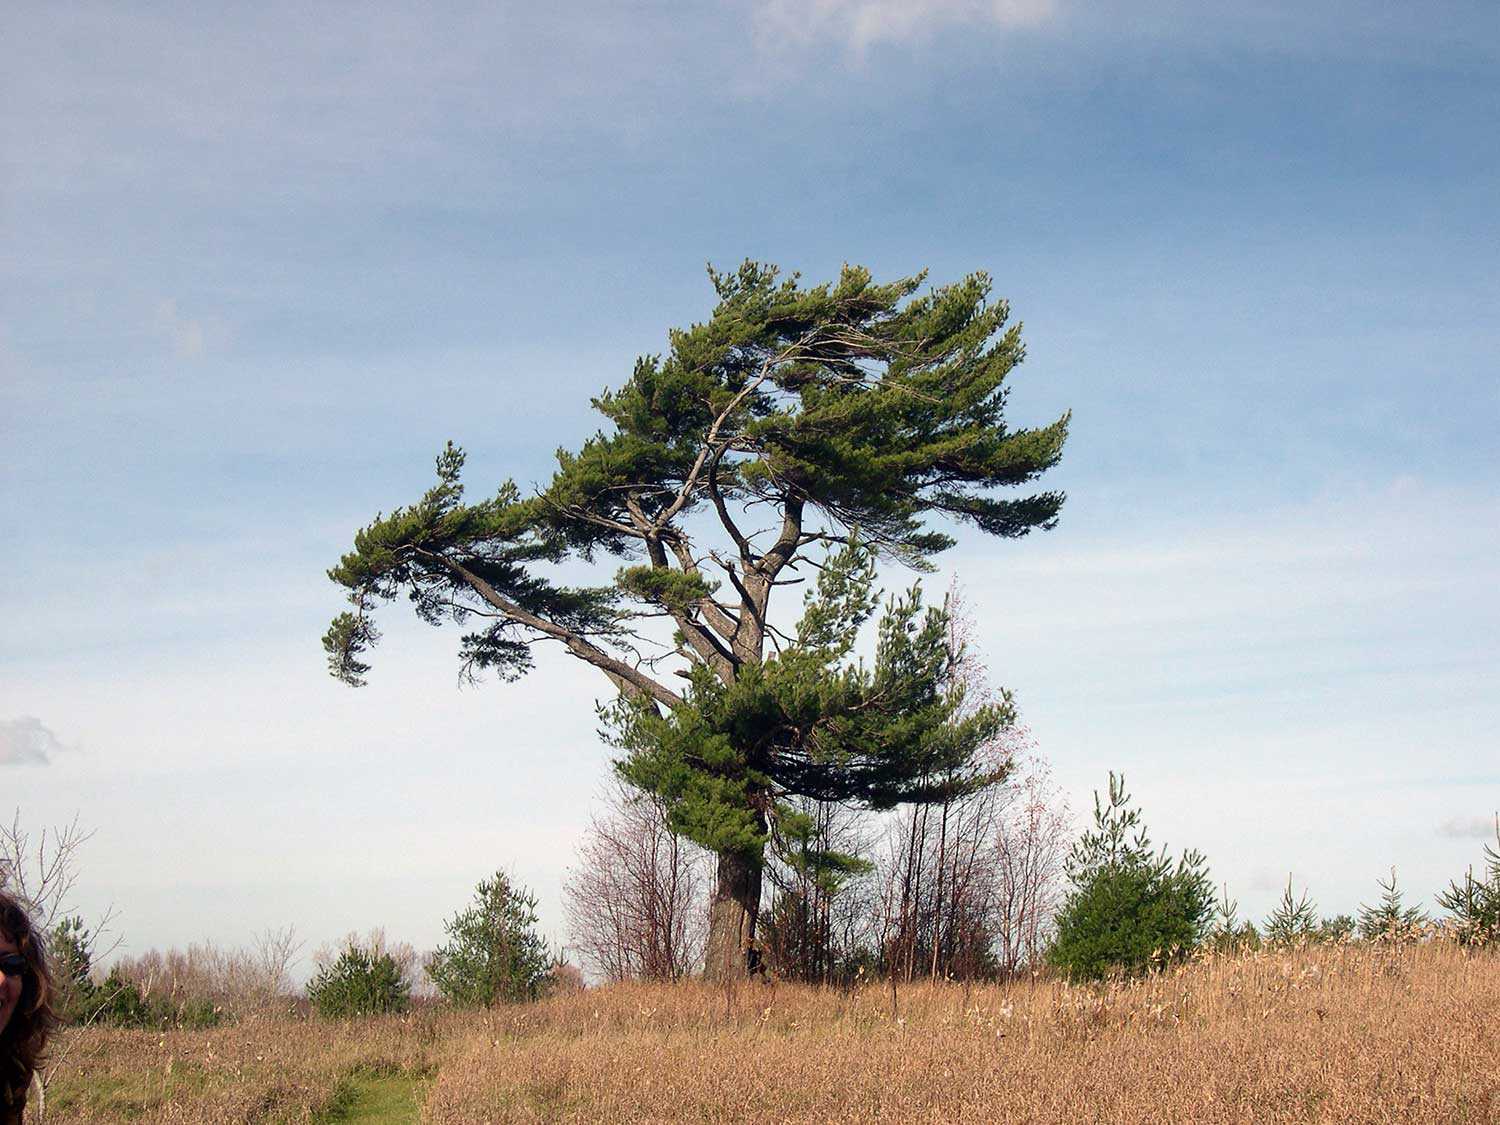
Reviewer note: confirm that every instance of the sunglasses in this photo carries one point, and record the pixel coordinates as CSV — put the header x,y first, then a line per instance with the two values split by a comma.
x,y
13,964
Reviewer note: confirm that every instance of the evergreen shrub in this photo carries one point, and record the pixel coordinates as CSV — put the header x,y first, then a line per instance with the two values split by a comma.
x,y
494,954
361,981
1131,908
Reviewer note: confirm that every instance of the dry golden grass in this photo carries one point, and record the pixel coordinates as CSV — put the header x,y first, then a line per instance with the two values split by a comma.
x,y
1330,1034
265,1070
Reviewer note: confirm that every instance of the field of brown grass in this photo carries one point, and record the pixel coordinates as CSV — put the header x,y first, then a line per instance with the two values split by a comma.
x,y
1329,1034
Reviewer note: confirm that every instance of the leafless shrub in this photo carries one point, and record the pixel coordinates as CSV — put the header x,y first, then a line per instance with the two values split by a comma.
x,y
968,886
41,871
937,888
565,978
818,927
240,983
1031,840
634,902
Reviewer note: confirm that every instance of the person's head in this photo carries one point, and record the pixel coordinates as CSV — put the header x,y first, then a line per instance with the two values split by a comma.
x,y
26,1016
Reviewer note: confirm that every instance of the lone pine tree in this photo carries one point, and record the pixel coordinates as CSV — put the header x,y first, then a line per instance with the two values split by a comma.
x,y
818,427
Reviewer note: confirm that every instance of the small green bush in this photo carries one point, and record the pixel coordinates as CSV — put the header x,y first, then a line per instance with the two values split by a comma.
x,y
1131,909
72,948
494,954
361,981
199,1013
119,1002
1244,938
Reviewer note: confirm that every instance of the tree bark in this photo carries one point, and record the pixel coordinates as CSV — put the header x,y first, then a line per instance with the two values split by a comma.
x,y
732,913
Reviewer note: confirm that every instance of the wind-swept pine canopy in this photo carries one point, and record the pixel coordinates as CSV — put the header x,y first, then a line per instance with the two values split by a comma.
x,y
832,408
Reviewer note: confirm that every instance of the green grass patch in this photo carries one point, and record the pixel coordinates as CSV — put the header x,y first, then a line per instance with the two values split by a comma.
x,y
375,1099
125,1096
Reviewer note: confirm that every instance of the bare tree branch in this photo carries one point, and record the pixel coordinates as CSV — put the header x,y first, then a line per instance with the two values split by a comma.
x,y
629,680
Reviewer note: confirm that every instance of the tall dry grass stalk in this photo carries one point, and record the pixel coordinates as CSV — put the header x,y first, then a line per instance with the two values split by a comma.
x,y
1326,1034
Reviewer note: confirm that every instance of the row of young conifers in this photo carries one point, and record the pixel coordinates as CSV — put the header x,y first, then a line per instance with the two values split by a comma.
x,y
989,885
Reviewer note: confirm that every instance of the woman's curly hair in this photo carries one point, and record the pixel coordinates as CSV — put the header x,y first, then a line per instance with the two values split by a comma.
x,y
24,1038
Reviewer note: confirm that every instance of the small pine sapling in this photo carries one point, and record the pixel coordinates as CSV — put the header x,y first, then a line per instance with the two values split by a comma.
x,y
1228,934
1294,921
494,954
1475,903
1131,908
1390,920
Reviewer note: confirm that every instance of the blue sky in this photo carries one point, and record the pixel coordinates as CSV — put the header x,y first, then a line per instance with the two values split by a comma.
x,y
257,264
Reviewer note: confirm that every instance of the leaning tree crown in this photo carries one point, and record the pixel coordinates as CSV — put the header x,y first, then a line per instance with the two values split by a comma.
x,y
818,427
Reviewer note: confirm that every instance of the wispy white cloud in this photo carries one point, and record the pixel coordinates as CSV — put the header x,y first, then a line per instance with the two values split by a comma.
x,y
189,337
862,24
26,742
1269,680
1396,582
1467,827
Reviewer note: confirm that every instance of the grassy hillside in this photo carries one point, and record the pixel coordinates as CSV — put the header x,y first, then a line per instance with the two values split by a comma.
x,y
1332,1033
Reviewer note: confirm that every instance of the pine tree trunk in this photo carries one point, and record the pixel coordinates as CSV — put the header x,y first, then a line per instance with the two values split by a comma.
x,y
732,914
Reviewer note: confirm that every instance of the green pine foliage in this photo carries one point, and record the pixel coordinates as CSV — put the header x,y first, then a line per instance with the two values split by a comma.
x,y
1294,921
71,946
826,869
1391,920
363,980
868,404
811,721
121,1003
1475,903
1131,908
494,954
